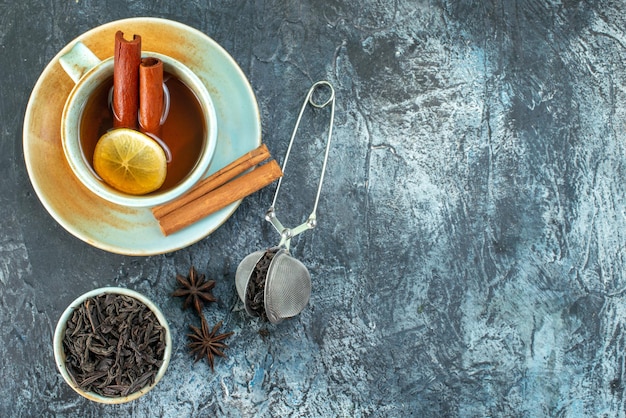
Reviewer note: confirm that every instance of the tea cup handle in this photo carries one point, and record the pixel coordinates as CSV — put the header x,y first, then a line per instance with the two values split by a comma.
x,y
78,60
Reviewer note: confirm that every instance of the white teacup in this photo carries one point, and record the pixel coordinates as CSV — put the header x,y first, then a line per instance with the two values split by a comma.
x,y
89,72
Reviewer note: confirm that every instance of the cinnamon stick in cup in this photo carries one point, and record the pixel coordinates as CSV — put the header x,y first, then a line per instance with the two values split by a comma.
x,y
125,102
151,96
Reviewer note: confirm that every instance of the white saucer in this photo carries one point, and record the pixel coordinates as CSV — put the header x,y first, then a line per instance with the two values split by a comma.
x,y
134,231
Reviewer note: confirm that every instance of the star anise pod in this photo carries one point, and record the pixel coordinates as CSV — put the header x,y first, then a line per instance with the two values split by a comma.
x,y
205,343
195,289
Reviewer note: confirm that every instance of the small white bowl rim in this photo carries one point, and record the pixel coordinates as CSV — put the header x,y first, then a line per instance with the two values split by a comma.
x,y
59,353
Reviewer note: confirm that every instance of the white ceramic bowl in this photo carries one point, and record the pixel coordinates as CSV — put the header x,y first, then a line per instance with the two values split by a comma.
x,y
59,352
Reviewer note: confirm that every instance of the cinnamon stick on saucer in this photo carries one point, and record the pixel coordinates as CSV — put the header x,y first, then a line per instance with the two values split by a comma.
x,y
125,102
218,191
221,197
150,95
215,180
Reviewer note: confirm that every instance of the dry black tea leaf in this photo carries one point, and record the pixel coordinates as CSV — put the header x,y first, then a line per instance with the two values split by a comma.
x,y
114,345
255,292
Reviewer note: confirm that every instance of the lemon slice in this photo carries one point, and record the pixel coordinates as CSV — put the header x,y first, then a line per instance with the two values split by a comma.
x,y
130,161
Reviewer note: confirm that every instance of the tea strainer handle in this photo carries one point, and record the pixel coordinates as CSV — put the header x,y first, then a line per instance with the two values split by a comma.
x,y
287,233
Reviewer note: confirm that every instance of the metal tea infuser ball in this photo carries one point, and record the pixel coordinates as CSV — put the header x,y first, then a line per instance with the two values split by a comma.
x,y
281,285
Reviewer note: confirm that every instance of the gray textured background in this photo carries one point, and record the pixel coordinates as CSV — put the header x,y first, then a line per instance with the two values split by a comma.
x,y
470,255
